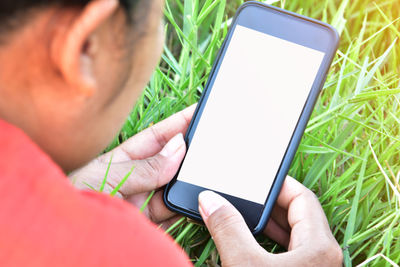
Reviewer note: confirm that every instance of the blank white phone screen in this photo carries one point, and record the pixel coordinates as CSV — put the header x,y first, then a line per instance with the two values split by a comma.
x,y
250,115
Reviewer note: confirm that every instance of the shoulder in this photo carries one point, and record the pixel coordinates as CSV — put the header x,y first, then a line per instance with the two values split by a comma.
x,y
46,221
19,155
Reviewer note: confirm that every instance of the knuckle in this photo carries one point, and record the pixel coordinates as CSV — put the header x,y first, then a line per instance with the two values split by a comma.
x,y
337,254
329,254
151,168
160,138
310,194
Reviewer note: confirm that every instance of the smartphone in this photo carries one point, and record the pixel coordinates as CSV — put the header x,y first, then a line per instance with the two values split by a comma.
x,y
253,111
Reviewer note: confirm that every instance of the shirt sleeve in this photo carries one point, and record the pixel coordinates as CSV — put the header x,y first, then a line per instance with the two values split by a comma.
x,y
45,221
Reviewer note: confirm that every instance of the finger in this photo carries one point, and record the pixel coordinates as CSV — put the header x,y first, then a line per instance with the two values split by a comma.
x,y
165,225
291,188
151,140
277,233
293,192
151,173
228,229
157,210
279,215
305,215
310,239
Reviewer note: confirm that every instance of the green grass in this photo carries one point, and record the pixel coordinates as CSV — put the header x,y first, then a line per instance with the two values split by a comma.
x,y
349,155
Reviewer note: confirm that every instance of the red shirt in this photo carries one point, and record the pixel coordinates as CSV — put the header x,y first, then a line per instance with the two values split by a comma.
x,y
45,221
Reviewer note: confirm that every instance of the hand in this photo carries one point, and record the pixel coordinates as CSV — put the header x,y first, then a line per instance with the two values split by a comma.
x,y
297,222
156,154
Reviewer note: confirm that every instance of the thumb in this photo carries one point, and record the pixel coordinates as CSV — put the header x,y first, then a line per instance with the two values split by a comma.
x,y
150,173
235,243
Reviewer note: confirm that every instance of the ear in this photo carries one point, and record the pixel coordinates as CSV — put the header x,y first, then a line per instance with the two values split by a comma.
x,y
72,48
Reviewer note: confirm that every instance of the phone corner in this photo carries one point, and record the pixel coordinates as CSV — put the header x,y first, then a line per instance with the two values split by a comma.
x,y
334,34
259,228
251,4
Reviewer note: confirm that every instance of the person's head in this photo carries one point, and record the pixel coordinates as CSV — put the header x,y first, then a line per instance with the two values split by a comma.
x,y
71,70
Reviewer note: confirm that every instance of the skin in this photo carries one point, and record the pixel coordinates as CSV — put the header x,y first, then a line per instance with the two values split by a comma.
x,y
70,77
88,68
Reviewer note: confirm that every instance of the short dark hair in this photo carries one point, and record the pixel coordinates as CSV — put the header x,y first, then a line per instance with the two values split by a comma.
x,y
13,13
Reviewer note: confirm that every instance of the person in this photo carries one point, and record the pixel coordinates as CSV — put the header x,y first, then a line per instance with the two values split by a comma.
x,y
70,72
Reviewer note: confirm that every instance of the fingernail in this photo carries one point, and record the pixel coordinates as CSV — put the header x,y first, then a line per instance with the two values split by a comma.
x,y
210,202
111,3
172,146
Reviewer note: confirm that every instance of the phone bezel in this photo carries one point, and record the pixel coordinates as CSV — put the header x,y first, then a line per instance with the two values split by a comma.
x,y
328,45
